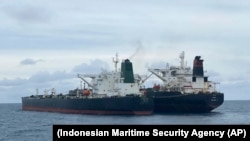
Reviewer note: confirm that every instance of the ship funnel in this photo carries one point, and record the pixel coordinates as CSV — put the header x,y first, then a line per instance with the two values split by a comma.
x,y
198,67
127,71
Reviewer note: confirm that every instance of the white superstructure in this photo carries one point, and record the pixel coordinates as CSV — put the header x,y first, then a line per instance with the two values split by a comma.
x,y
182,78
112,83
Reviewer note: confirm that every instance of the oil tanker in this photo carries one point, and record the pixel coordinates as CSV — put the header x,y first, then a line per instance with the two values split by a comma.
x,y
184,90
110,92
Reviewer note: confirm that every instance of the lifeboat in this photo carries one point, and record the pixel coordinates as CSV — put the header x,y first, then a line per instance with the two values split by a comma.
x,y
86,92
156,87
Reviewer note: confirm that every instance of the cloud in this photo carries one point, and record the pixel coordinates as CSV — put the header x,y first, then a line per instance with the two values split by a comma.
x,y
95,66
5,83
27,13
62,81
13,89
39,77
29,61
44,76
218,31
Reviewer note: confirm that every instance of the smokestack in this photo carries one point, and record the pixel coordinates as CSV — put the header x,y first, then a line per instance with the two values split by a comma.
x,y
127,71
198,67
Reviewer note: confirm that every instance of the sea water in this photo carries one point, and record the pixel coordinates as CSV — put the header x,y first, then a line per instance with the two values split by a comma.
x,y
16,124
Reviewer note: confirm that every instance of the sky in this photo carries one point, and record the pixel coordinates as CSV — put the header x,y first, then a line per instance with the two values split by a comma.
x,y
44,44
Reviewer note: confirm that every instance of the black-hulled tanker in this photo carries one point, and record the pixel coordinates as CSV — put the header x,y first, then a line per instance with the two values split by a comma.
x,y
108,93
131,104
184,90
176,102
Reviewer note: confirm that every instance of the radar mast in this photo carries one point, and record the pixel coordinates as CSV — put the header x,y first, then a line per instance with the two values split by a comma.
x,y
116,61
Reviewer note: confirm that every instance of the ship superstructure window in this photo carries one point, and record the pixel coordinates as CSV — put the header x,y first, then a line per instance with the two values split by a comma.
x,y
205,79
173,73
194,79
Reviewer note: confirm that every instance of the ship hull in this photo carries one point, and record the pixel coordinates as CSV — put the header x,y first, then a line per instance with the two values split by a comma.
x,y
175,102
129,105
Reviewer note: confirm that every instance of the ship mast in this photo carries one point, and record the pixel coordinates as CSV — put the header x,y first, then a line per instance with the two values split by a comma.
x,y
116,61
182,55
37,92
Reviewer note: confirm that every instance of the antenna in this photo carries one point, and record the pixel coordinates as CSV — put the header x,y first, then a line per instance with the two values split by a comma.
x,y
116,60
37,92
182,55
